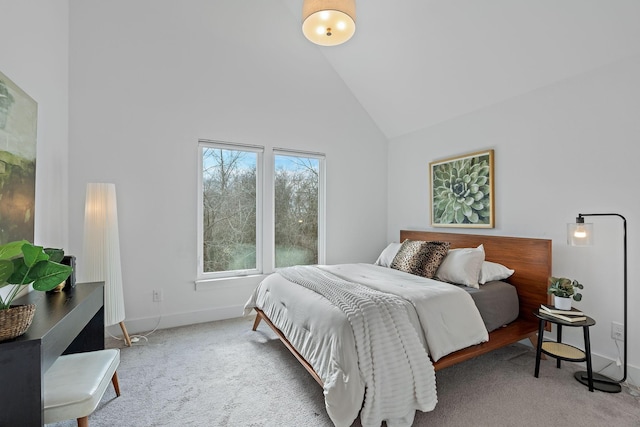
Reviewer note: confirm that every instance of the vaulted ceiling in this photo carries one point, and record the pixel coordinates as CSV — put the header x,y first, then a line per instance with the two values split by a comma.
x,y
415,63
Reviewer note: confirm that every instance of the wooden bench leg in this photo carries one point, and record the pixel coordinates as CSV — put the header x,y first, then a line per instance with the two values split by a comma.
x,y
84,421
116,385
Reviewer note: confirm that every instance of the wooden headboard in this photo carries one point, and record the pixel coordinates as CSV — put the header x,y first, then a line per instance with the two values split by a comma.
x,y
530,258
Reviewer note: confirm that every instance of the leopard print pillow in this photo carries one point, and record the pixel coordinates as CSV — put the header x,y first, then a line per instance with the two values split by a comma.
x,y
419,257
435,252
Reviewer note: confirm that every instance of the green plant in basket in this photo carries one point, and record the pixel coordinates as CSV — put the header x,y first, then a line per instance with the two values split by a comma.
x,y
565,288
23,264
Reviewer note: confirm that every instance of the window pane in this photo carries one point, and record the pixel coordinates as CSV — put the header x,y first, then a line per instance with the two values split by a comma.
x,y
229,209
296,184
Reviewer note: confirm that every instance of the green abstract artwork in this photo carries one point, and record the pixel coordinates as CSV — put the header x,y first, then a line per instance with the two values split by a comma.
x,y
18,126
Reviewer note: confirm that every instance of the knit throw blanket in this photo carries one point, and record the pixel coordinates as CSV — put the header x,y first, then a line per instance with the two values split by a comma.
x,y
395,367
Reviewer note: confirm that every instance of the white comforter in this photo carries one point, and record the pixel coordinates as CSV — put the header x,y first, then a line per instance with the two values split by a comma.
x,y
445,317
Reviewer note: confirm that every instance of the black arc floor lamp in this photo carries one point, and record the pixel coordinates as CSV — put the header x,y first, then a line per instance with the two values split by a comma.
x,y
581,234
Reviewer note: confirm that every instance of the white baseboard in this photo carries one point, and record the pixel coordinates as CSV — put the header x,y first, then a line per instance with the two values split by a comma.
x,y
609,368
142,326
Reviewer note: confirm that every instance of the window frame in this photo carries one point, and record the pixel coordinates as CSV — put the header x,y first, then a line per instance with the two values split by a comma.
x,y
265,195
259,151
321,200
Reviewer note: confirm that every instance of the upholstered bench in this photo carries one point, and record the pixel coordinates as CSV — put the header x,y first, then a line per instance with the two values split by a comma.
x,y
75,384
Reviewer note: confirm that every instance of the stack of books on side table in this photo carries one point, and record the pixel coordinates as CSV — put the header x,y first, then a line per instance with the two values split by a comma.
x,y
572,315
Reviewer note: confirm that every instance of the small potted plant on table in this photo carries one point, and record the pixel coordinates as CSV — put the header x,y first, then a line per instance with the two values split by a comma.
x,y
23,264
563,291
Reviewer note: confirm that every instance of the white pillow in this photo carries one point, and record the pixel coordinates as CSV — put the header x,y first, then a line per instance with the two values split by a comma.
x,y
462,266
388,254
493,271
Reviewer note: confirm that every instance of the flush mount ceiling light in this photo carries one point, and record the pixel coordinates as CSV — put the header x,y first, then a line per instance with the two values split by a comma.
x,y
328,22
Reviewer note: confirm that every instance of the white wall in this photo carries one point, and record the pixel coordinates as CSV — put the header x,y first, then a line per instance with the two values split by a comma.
x,y
34,51
568,148
34,55
149,78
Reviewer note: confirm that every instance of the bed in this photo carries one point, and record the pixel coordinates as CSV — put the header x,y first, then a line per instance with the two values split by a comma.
x,y
529,258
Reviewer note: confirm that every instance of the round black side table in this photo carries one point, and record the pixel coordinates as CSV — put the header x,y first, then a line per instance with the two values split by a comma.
x,y
561,351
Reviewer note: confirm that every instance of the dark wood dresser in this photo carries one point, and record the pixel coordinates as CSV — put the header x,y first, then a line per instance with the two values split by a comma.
x,y
70,321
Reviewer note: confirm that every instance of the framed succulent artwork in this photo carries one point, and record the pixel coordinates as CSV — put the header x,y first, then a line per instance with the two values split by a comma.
x,y
462,191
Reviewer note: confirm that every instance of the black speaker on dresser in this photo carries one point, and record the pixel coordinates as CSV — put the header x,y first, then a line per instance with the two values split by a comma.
x,y
70,260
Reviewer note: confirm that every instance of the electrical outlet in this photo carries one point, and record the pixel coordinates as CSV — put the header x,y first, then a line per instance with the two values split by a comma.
x,y
617,331
157,295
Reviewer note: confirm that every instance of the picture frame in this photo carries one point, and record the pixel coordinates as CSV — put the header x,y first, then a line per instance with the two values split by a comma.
x,y
18,128
462,191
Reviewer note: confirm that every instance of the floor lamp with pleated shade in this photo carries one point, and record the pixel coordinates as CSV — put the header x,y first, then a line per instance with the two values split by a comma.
x,y
101,251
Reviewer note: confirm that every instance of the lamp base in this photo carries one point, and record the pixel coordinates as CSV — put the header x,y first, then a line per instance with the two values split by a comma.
x,y
600,382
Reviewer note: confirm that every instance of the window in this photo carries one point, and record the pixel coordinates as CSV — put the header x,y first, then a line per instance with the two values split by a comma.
x,y
297,206
230,210
234,229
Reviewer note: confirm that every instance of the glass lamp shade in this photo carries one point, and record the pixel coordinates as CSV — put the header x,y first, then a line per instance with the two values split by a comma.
x,y
580,234
328,22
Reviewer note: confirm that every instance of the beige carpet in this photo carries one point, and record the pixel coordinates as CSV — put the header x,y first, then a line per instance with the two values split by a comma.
x,y
224,374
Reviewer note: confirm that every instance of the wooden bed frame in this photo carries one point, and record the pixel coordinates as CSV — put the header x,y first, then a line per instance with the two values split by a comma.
x,y
531,260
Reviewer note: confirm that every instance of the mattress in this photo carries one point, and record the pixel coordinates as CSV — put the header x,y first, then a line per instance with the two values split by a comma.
x,y
497,303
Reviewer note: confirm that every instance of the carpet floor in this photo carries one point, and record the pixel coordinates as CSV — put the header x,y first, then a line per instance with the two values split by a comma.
x,y
224,374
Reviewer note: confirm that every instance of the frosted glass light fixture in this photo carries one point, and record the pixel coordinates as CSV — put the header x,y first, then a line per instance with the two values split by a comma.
x,y
101,251
328,22
579,233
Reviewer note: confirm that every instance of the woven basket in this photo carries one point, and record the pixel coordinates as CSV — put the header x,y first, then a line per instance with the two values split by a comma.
x,y
15,321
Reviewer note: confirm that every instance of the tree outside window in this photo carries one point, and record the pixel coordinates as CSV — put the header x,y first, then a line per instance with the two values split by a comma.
x,y
231,217
296,190
229,184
